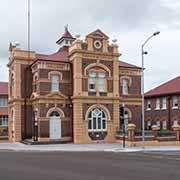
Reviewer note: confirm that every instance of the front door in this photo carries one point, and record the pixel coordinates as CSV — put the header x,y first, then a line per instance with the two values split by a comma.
x,y
55,127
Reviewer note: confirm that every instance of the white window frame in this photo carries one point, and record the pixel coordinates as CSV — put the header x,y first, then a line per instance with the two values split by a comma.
x,y
148,103
175,122
55,83
149,123
158,123
3,101
164,103
92,81
102,81
125,87
3,121
164,125
158,104
175,101
97,113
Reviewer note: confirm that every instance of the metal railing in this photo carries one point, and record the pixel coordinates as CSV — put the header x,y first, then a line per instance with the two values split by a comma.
x,y
164,133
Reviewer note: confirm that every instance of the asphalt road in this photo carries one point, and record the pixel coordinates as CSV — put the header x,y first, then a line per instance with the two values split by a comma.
x,y
88,166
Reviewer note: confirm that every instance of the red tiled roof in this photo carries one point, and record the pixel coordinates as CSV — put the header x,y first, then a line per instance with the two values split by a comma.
x,y
3,88
127,65
66,35
60,55
170,87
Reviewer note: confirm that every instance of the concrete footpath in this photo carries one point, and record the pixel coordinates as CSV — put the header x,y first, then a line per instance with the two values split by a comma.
x,y
106,147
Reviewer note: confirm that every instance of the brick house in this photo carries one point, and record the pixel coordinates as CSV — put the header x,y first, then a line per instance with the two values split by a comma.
x,y
162,105
74,94
3,110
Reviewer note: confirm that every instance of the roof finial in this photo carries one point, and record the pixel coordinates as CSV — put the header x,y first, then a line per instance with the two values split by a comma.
x,y
66,28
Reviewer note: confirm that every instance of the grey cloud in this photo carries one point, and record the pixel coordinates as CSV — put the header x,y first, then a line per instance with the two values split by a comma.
x,y
115,17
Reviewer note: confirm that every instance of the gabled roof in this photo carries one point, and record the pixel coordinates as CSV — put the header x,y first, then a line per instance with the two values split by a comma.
x,y
127,65
170,87
3,88
60,55
99,33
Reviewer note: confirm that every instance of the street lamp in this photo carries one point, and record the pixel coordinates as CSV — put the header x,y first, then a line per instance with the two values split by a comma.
x,y
142,80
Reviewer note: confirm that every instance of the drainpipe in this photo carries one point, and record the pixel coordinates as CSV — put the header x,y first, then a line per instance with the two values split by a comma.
x,y
169,112
72,114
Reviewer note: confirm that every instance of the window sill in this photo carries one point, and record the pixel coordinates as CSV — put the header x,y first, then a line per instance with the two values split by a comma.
x,y
148,109
175,107
98,130
157,109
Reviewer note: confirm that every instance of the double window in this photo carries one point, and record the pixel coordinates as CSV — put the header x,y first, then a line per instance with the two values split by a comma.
x,y
54,82
97,81
96,120
4,121
3,101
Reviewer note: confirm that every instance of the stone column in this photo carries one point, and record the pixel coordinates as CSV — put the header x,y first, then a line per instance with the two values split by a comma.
x,y
176,128
131,129
155,131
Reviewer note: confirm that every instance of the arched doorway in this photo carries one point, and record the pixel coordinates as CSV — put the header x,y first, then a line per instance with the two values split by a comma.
x,y
55,125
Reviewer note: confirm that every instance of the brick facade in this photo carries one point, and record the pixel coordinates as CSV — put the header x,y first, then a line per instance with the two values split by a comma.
x,y
33,102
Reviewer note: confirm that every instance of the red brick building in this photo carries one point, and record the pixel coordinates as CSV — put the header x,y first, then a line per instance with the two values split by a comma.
x,y
162,105
74,94
3,110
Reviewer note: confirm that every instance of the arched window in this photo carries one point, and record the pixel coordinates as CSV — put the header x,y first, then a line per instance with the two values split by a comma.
x,y
125,87
55,82
54,113
97,81
97,120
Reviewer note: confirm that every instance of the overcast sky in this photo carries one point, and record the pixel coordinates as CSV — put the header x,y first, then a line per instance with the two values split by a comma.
x,y
129,21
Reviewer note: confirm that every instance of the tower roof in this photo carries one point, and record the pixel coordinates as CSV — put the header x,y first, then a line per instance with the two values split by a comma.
x,y
66,35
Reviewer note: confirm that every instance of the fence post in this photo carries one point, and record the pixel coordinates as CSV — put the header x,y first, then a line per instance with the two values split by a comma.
x,y
176,128
131,129
155,131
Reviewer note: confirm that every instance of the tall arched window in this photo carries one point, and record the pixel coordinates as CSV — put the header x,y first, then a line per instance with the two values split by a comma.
x,y
97,120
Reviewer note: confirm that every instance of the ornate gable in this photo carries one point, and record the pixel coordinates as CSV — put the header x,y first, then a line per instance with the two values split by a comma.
x,y
98,34
56,95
